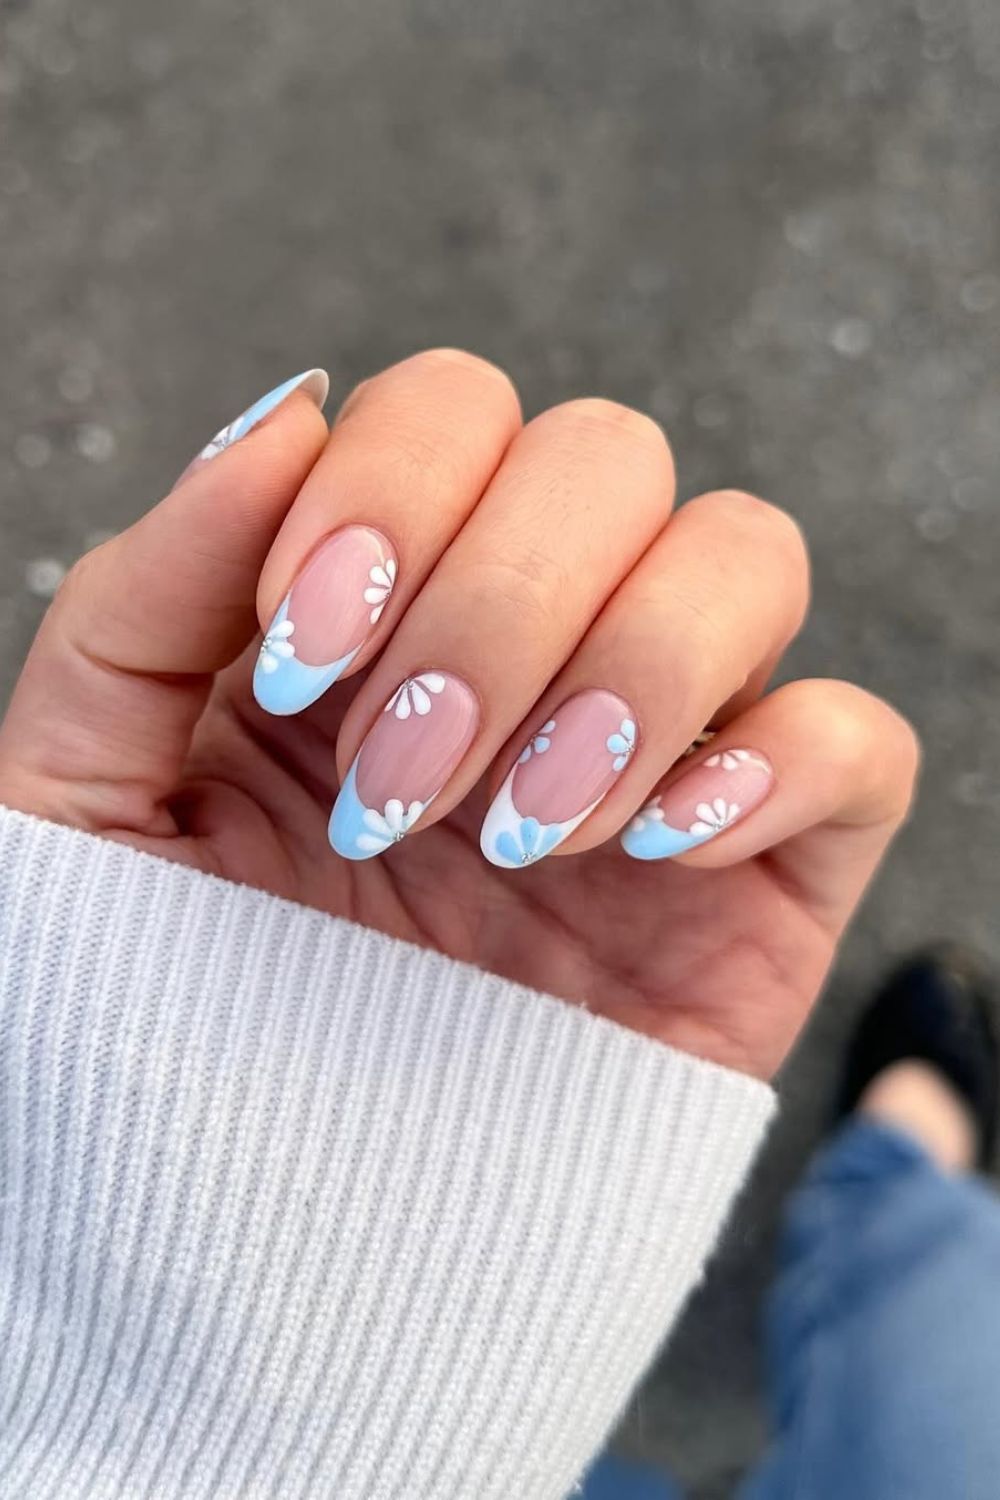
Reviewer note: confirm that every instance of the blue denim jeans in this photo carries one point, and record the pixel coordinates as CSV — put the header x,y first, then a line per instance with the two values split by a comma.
x,y
883,1337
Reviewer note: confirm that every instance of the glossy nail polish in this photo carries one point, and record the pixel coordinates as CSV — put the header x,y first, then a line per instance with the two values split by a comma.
x,y
410,752
313,383
567,767
327,615
707,799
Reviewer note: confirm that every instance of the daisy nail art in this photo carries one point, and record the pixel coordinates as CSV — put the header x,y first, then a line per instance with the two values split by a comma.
x,y
416,695
276,647
567,767
326,617
622,743
410,752
709,798
381,582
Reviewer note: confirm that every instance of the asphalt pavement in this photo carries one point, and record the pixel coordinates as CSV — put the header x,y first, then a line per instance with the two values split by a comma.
x,y
772,226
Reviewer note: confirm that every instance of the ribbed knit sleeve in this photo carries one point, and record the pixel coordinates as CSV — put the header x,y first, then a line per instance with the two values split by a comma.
x,y
291,1209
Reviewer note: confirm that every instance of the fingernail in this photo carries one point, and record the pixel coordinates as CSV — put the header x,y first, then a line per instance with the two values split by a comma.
x,y
411,750
708,798
567,767
328,614
314,383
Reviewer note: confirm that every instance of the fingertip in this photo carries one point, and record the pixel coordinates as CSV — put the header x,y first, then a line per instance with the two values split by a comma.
x,y
347,831
315,384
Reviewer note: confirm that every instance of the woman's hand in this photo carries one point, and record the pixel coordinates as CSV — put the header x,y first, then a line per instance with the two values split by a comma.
x,y
545,613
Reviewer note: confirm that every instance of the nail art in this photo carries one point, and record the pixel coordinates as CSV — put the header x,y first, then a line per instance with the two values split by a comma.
x,y
328,614
409,754
315,384
707,799
567,767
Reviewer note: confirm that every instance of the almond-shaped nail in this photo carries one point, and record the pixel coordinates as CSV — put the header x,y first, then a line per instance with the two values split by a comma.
x,y
313,383
567,767
707,799
409,753
328,614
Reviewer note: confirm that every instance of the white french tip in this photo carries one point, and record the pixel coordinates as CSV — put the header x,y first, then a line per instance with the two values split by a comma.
x,y
316,385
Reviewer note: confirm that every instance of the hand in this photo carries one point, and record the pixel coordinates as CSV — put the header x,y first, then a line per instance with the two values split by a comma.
x,y
540,578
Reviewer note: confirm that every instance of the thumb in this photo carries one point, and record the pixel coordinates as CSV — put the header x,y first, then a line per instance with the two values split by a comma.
x,y
119,673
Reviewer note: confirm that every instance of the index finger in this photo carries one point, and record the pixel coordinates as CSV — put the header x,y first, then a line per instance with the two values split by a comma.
x,y
406,463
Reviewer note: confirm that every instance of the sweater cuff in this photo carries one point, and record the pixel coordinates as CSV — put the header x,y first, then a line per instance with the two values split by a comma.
x,y
291,1208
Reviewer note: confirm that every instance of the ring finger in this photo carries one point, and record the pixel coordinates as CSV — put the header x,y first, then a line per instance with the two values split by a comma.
x,y
718,596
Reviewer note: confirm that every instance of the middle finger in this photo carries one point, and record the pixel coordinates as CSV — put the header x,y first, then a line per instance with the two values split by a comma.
x,y
582,492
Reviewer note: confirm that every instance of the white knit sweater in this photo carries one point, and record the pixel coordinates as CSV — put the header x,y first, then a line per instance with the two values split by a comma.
x,y
291,1209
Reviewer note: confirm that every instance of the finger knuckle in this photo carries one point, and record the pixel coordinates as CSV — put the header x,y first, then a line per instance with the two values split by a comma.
x,y
83,579
703,622
761,520
762,530
899,751
421,380
867,738
706,640
521,593
354,398
464,364
900,745
415,462
597,419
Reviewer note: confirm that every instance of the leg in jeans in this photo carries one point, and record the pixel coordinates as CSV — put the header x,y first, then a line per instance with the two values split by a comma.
x,y
616,1479
884,1330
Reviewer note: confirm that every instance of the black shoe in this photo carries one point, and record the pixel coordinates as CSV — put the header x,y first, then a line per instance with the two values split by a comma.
x,y
941,1007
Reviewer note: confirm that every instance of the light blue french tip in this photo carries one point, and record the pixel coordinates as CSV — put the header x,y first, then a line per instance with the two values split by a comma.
x,y
281,683
313,383
347,825
645,838
359,832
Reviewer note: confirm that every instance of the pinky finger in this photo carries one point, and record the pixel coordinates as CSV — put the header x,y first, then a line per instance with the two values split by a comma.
x,y
819,773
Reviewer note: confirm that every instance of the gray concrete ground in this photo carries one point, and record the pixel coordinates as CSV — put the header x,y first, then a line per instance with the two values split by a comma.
x,y
773,226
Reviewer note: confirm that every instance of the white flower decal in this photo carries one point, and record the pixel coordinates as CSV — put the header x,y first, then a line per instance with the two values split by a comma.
x,y
651,813
388,827
413,695
728,759
714,816
538,744
276,647
383,580
621,744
